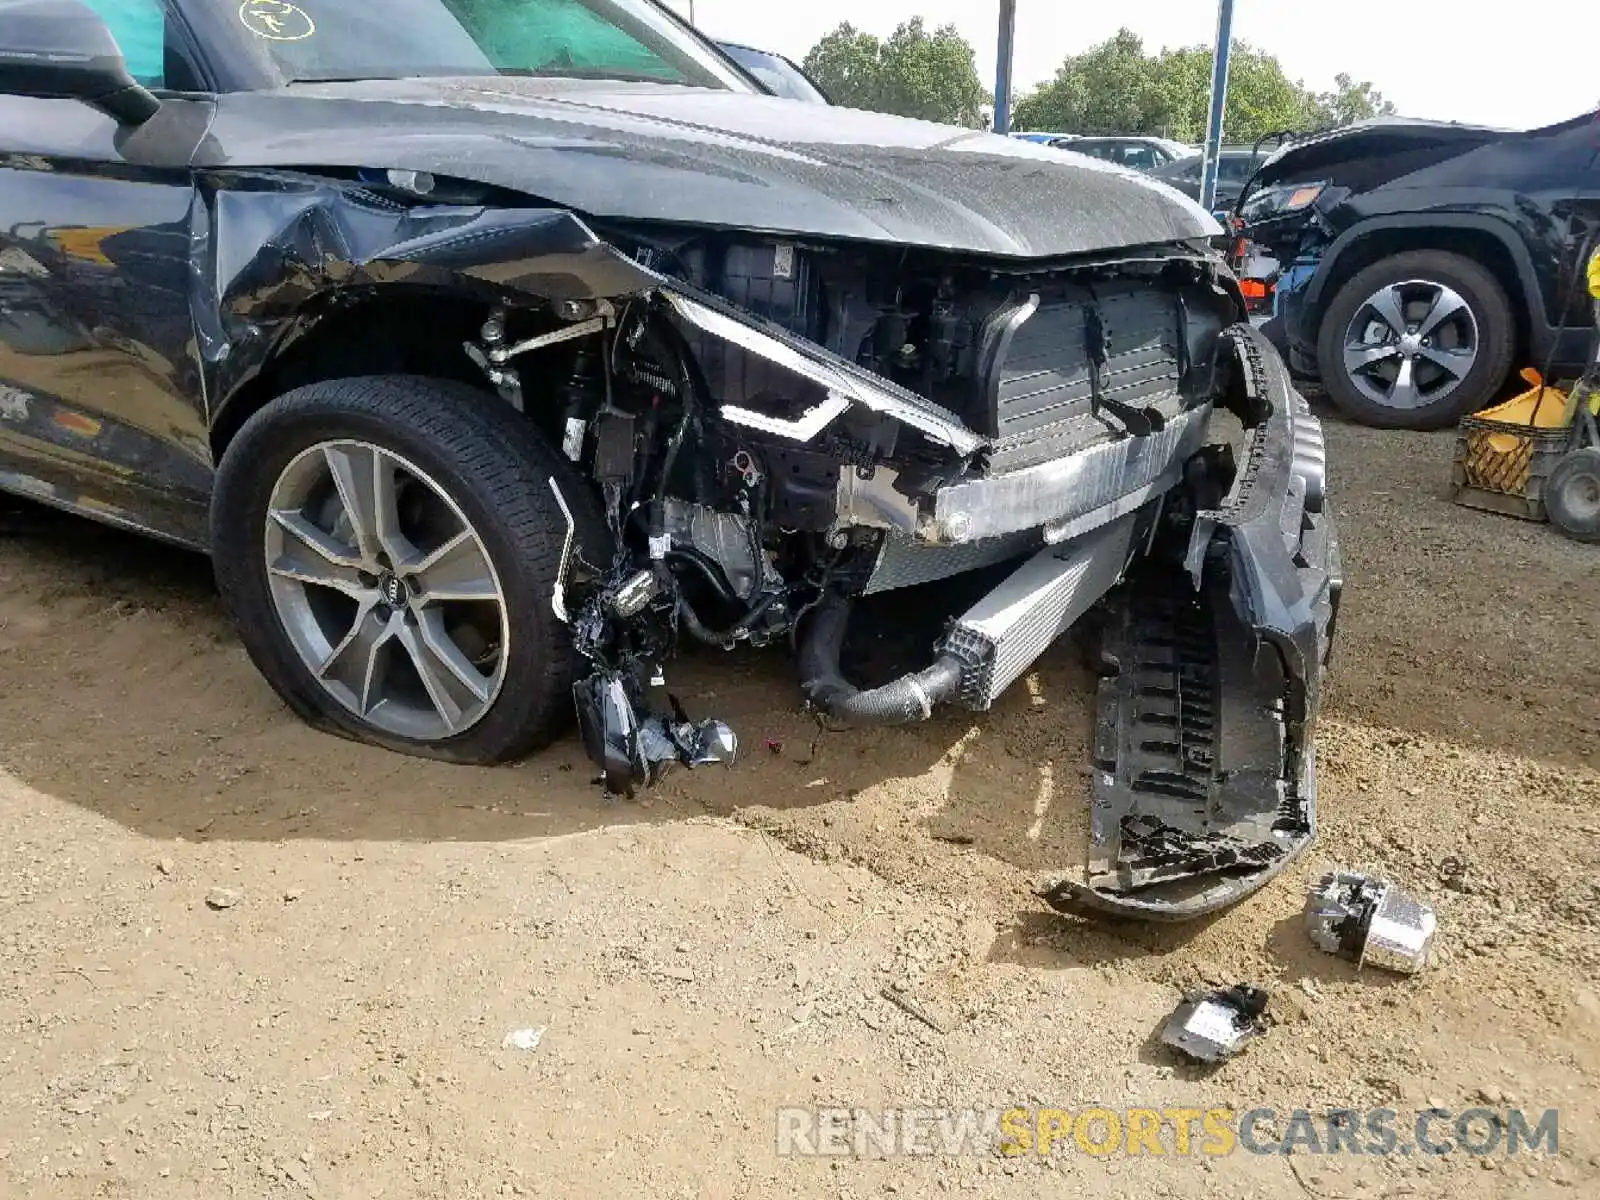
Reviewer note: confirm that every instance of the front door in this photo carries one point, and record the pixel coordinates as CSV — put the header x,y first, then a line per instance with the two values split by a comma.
x,y
101,407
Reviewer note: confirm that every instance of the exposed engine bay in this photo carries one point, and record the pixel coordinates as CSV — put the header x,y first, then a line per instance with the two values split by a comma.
x,y
776,430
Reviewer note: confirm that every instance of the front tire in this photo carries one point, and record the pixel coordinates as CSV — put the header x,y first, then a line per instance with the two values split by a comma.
x,y
390,550
1416,341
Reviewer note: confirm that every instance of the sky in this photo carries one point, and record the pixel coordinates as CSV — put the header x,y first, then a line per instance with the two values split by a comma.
x,y
1436,60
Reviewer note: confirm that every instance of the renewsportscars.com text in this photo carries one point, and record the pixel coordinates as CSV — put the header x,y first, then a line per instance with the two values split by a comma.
x,y
1203,1132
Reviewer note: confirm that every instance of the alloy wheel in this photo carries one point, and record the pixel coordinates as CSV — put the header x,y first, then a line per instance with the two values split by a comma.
x,y
1411,344
386,590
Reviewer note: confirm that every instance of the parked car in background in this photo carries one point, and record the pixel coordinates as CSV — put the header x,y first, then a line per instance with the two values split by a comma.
x,y
779,75
1139,153
1234,168
1422,260
1045,139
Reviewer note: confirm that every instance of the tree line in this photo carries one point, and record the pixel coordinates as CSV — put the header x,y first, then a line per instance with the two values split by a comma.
x,y
1113,88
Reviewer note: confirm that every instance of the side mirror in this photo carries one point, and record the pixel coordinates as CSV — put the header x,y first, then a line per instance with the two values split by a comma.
x,y
61,49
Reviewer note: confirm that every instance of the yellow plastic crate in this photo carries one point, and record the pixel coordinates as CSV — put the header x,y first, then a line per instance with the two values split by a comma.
x,y
1504,454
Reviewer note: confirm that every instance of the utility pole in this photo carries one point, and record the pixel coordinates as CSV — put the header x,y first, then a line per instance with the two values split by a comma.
x,y
1002,82
1219,104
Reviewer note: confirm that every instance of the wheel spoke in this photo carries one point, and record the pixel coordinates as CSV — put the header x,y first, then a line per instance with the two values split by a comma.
x,y
310,556
457,570
1404,392
1359,357
1446,304
326,547
1388,307
358,662
386,509
353,469
434,677
1456,362
366,479
313,557
438,642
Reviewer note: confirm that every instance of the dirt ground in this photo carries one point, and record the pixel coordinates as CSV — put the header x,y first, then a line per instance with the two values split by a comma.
x,y
704,957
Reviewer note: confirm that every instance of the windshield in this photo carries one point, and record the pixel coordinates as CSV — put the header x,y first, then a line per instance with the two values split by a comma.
x,y
325,40
776,73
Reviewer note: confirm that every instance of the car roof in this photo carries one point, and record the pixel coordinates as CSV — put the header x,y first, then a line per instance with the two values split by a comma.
x,y
1147,138
756,50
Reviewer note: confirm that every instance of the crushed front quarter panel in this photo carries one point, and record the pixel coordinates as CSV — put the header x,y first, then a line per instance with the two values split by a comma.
x,y
273,251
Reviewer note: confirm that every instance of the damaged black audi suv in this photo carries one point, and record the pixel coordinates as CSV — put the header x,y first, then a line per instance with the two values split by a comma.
x,y
493,349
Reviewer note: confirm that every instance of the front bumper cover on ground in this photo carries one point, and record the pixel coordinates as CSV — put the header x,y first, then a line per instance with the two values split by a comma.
x,y
1205,766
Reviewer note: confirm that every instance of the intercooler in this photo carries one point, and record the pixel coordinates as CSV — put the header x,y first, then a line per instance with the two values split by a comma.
x,y
1002,635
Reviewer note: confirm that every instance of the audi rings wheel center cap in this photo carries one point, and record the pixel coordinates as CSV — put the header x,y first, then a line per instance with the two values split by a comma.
x,y
393,590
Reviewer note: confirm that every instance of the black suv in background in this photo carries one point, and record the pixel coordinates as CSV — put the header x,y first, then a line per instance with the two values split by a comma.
x,y
1422,260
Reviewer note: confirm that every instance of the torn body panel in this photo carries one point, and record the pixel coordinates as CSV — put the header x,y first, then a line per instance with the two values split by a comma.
x,y
1205,784
272,254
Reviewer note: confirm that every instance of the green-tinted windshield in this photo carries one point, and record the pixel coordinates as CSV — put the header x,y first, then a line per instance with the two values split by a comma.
x,y
384,39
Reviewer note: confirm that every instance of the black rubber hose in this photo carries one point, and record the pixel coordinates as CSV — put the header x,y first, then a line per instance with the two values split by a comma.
x,y
901,702
708,569
700,632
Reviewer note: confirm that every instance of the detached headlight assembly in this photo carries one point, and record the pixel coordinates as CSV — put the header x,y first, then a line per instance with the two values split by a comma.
x,y
1280,201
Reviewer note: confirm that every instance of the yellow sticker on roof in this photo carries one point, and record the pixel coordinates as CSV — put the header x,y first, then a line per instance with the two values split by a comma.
x,y
276,20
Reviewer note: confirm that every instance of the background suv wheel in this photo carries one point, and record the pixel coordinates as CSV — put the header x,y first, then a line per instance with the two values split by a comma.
x,y
1416,341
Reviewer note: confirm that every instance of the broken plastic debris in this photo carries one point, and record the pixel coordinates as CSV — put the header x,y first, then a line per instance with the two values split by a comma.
x,y
1367,919
524,1039
1212,1026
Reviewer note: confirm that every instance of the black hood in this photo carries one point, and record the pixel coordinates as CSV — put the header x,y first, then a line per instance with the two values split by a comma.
x,y
1375,150
720,159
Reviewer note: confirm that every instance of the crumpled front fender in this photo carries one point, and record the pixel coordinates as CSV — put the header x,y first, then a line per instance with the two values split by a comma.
x,y
273,251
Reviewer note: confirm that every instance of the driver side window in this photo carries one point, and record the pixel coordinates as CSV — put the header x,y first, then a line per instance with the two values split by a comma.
x,y
1140,158
140,27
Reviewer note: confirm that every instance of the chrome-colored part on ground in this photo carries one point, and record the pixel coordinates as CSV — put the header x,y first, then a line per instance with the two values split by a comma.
x,y
631,749
1368,919
1213,1026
